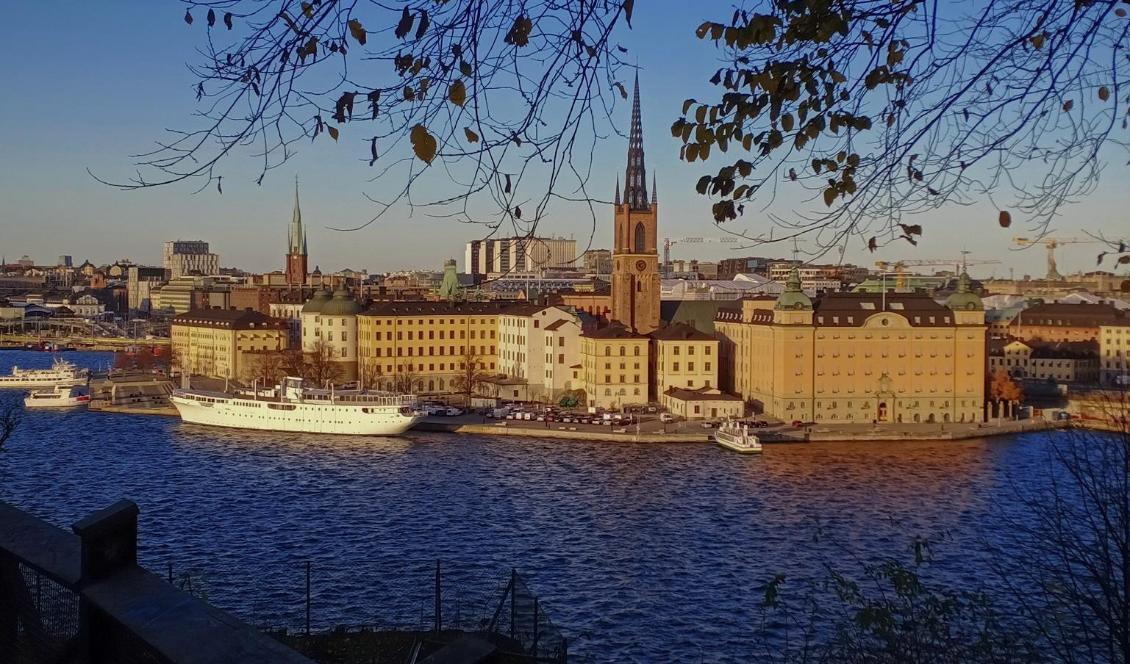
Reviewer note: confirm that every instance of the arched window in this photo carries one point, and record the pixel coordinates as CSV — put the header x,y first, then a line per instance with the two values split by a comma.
x,y
623,351
431,385
641,238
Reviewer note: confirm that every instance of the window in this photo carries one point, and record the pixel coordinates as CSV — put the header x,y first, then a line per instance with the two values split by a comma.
x,y
690,366
708,366
640,239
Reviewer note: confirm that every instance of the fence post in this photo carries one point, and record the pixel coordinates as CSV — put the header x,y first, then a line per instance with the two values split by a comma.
x,y
108,545
307,598
534,652
513,607
439,600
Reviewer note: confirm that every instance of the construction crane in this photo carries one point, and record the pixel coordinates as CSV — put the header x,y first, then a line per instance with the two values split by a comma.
x,y
1051,243
668,241
899,267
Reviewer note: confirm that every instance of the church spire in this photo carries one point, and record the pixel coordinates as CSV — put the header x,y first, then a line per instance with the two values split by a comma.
x,y
616,201
654,192
297,236
635,186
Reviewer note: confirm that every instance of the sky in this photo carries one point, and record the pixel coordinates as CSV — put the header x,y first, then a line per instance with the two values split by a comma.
x,y
87,85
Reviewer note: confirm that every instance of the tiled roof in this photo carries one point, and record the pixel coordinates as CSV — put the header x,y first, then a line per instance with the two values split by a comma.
x,y
1070,315
680,332
701,394
614,332
228,318
441,308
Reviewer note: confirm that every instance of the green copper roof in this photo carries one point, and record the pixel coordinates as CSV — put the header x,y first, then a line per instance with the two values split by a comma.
x,y
793,297
964,298
315,304
342,304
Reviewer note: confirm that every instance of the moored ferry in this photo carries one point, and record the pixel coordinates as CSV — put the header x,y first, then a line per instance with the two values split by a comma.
x,y
61,373
293,407
737,437
62,396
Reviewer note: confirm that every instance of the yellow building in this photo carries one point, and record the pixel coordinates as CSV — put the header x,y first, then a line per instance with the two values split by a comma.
x,y
859,357
615,364
220,342
703,403
425,347
685,358
1061,362
1114,352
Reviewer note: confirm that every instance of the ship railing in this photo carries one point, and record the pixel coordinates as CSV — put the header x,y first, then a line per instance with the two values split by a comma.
x,y
80,596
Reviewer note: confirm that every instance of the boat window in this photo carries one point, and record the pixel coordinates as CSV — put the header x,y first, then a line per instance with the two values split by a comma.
x,y
281,406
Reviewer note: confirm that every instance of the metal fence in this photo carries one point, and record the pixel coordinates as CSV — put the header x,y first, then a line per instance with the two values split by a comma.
x,y
414,597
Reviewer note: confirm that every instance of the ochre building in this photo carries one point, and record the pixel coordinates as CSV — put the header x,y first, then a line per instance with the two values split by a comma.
x,y
615,365
859,357
426,346
221,343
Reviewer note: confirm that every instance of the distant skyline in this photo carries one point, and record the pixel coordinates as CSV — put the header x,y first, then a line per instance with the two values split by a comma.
x,y
104,90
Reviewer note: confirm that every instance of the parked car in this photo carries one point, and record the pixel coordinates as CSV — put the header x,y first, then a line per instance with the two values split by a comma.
x,y
666,417
452,411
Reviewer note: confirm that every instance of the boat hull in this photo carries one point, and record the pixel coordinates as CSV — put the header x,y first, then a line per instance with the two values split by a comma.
x,y
738,447
355,420
30,384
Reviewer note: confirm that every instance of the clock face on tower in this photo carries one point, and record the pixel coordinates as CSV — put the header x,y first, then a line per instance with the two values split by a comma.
x,y
641,265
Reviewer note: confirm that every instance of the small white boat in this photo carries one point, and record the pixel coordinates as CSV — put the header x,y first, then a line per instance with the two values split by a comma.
x,y
61,373
63,396
737,437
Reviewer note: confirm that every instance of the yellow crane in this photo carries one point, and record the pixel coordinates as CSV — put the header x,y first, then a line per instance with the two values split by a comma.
x,y
1051,244
899,267
668,241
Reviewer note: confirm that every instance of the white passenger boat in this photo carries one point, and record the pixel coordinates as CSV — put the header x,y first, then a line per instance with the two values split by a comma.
x,y
61,373
293,407
63,396
737,437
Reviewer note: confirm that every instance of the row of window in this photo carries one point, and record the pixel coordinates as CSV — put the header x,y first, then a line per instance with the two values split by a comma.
x,y
409,351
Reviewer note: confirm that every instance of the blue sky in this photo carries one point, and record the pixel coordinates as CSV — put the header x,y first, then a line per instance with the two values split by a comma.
x,y
87,85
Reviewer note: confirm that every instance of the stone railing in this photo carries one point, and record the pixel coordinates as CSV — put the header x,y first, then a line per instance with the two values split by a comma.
x,y
81,597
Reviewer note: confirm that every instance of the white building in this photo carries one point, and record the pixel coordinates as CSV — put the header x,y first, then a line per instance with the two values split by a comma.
x,y
562,362
185,257
521,343
291,312
333,319
522,255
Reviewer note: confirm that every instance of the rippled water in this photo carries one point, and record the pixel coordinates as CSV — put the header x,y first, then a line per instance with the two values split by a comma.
x,y
638,552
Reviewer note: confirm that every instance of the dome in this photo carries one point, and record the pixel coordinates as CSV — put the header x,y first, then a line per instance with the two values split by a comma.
x,y
342,304
315,304
964,299
793,297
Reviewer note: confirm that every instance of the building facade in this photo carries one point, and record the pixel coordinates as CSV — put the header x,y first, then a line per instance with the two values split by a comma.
x,y
1064,322
222,343
1061,362
495,257
1114,355
685,359
427,345
615,365
187,257
329,326
562,348
859,357
521,344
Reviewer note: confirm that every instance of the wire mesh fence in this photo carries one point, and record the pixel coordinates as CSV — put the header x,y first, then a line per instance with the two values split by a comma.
x,y
39,617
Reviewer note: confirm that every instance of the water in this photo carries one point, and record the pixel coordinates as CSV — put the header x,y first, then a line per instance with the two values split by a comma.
x,y
638,552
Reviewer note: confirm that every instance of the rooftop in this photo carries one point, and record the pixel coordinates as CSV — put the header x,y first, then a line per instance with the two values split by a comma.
x,y
240,319
680,332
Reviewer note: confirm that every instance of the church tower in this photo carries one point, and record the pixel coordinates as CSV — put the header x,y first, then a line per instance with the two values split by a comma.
x,y
296,249
635,259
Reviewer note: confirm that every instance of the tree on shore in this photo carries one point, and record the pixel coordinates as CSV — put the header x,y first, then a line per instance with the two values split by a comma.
x,y
406,380
1004,391
372,376
472,375
319,367
268,368
873,109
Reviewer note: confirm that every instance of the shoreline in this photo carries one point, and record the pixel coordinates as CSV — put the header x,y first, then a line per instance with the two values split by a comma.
x,y
814,434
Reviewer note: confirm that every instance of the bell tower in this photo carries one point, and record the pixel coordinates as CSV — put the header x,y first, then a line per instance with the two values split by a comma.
x,y
635,258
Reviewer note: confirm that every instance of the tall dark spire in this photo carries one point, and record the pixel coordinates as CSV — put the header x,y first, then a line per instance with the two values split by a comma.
x,y
635,186
616,201
654,192
297,235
